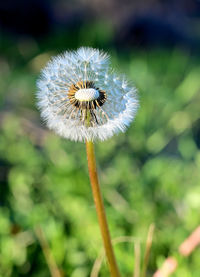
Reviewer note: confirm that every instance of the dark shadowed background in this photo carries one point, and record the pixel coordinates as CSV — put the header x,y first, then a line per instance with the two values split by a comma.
x,y
149,174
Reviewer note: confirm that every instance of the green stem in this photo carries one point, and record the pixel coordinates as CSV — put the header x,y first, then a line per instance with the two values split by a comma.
x,y
100,210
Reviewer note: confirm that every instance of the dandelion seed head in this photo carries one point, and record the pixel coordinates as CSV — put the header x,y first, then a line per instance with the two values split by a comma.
x,y
80,97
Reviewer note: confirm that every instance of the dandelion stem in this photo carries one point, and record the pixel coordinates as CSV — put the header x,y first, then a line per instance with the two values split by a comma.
x,y
100,210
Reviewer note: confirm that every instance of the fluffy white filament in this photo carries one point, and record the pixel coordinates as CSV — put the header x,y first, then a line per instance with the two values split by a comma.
x,y
85,64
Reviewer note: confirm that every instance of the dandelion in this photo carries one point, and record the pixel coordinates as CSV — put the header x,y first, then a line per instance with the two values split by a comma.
x,y
82,99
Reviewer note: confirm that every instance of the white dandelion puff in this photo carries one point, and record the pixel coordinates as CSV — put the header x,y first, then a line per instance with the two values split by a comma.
x,y
81,99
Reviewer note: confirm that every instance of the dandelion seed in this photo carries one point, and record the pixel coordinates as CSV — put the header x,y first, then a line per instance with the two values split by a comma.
x,y
81,99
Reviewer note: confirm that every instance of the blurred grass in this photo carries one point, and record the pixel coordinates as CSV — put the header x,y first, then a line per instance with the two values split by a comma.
x,y
149,174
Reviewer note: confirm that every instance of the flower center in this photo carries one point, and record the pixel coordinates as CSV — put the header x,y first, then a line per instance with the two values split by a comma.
x,y
87,101
87,94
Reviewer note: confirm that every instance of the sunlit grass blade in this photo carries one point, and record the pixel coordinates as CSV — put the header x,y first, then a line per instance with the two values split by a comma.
x,y
137,256
53,268
148,249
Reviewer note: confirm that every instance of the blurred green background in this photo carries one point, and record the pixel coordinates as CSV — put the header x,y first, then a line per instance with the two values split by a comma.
x,y
150,174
